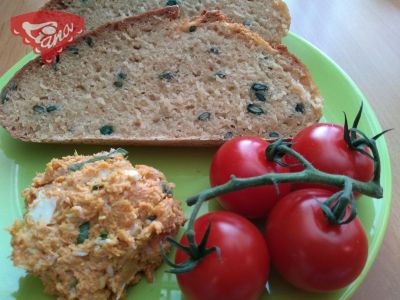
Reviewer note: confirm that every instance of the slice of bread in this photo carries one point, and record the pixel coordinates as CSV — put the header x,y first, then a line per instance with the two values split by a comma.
x,y
152,80
269,18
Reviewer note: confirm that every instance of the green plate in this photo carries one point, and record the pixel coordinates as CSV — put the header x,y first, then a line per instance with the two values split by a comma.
x,y
188,168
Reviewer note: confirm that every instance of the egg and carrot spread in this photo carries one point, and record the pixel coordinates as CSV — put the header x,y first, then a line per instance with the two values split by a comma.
x,y
93,225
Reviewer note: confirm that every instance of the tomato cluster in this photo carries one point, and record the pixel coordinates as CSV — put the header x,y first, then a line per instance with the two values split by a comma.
x,y
304,247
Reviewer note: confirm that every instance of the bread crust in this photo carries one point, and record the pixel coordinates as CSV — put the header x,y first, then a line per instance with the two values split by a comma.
x,y
172,13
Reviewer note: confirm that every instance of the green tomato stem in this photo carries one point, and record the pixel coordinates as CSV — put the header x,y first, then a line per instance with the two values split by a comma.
x,y
190,231
308,175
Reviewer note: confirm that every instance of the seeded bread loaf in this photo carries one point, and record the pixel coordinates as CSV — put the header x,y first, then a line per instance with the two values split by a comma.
x,y
152,80
269,18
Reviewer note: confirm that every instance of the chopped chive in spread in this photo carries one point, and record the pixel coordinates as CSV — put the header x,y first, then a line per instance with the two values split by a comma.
x,y
167,75
73,282
172,2
89,41
205,116
72,50
273,134
51,108
77,166
104,235
259,87
228,135
254,109
300,108
192,28
83,232
151,218
214,50
260,96
97,187
221,74
107,130
39,109
166,189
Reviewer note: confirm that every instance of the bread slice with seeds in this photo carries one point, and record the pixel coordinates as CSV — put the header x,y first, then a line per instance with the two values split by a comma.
x,y
150,79
269,18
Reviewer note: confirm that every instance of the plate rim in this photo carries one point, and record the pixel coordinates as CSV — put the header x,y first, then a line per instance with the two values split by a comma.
x,y
375,124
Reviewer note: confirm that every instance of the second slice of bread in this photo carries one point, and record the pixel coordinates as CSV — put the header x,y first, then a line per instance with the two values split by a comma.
x,y
152,80
269,18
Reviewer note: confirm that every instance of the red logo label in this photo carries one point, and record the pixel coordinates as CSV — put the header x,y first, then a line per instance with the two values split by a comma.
x,y
48,32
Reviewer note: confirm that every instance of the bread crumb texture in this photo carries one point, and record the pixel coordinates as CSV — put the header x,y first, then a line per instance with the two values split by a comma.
x,y
90,233
157,81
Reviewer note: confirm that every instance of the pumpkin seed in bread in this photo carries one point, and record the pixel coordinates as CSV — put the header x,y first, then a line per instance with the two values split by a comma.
x,y
149,80
269,18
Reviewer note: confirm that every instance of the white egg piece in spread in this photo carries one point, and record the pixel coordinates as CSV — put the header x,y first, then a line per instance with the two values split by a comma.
x,y
42,208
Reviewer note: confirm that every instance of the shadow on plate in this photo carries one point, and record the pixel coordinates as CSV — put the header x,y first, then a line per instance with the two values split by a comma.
x,y
23,153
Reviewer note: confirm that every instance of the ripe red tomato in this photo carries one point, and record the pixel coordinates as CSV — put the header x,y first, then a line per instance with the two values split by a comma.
x,y
307,250
240,272
245,157
324,147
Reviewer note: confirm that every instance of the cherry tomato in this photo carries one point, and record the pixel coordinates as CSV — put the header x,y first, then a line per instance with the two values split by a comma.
x,y
240,272
245,157
324,147
307,250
